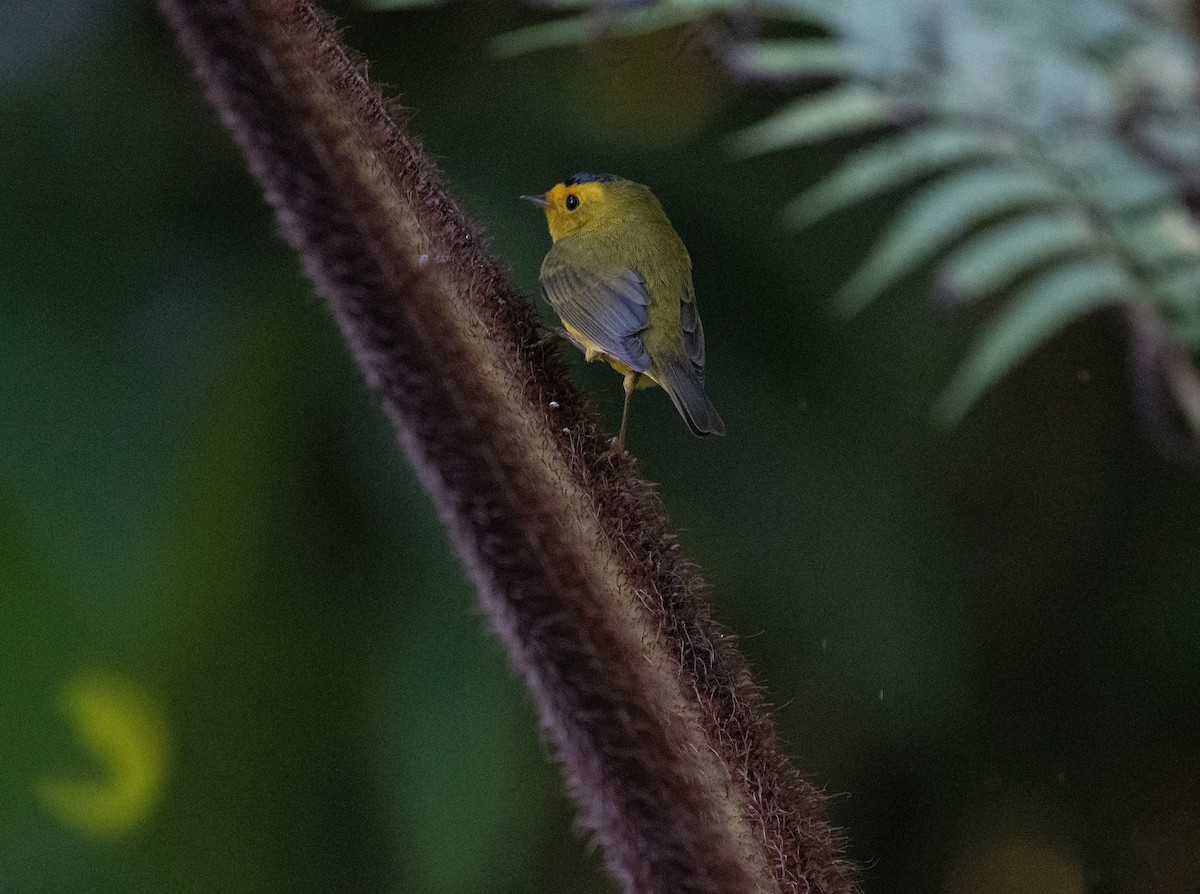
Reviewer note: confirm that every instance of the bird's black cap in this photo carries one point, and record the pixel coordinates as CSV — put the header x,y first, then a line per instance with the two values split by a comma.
x,y
590,178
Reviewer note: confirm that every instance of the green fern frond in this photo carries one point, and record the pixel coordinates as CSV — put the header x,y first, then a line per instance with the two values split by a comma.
x,y
942,213
780,60
607,23
1115,179
890,164
1034,313
545,36
1154,247
1176,295
841,111
996,258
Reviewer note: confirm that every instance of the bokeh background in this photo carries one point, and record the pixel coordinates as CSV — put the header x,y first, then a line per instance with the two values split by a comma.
x,y
237,653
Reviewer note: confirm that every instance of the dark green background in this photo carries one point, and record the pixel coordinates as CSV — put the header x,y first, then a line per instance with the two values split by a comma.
x,y
983,641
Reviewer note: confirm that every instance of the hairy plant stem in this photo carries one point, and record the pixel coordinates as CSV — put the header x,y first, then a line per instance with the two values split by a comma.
x,y
663,738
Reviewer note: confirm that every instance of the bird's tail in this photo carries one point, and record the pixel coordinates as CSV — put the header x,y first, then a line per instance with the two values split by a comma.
x,y
687,393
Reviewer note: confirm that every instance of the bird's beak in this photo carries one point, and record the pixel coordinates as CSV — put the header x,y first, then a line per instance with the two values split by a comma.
x,y
537,200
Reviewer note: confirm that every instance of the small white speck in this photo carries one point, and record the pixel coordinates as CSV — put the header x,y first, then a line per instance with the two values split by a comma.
x,y
554,405
566,431
881,695
423,260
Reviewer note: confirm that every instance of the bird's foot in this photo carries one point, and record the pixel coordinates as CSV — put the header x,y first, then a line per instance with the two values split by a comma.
x,y
616,448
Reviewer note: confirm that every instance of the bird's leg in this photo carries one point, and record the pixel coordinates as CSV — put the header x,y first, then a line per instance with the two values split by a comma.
x,y
630,381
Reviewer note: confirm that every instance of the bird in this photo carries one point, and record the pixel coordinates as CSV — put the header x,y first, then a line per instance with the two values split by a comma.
x,y
620,279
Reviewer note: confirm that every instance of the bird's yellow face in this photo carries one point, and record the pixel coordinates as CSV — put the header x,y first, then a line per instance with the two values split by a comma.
x,y
570,207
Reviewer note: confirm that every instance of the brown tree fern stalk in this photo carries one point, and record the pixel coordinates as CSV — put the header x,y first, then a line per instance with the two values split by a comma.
x,y
663,737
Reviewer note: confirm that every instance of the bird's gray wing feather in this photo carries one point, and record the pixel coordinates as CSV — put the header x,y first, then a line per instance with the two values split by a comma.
x,y
693,331
609,310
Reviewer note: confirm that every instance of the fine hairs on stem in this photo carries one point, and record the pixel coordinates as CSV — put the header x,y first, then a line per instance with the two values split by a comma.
x,y
664,740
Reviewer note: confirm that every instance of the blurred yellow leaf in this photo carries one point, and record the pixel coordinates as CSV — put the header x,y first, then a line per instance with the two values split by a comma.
x,y
126,732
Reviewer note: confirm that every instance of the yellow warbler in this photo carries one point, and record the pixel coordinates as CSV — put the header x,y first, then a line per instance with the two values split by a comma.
x,y
620,280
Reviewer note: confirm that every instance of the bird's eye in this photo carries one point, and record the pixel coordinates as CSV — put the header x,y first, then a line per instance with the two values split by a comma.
x,y
572,202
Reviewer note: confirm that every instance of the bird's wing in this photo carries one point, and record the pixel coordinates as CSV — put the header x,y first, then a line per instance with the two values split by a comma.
x,y
693,331
608,310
